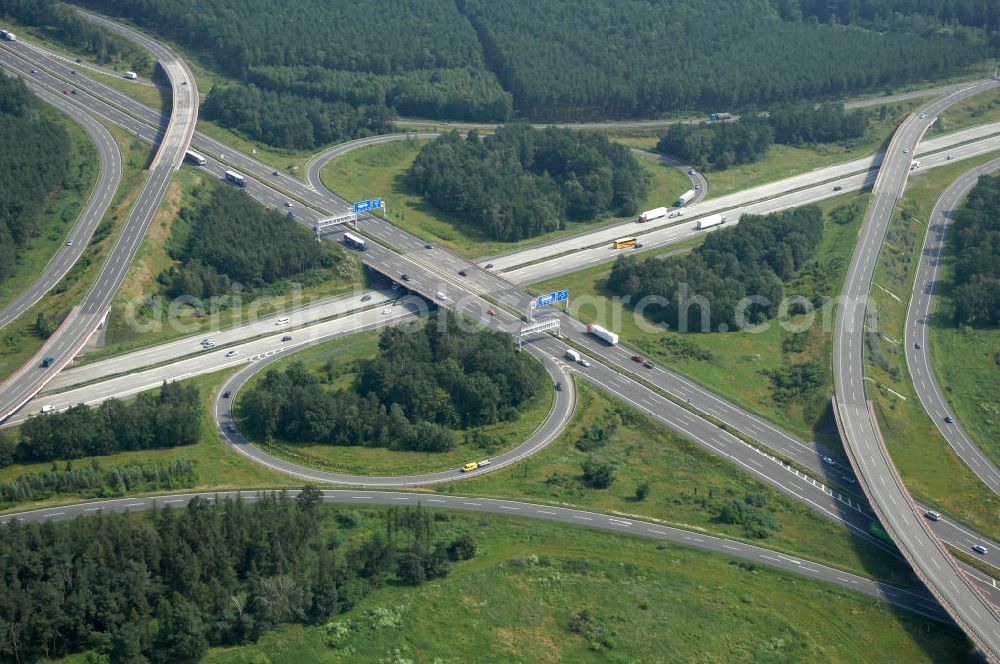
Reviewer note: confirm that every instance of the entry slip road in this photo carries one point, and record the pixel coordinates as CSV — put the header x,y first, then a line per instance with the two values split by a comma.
x,y
919,320
856,421
914,601
97,204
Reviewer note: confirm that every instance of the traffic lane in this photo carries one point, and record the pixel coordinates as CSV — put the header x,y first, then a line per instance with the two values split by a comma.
x,y
109,176
732,549
919,319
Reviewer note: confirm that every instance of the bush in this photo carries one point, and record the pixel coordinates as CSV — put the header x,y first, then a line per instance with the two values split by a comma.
x,y
462,548
597,474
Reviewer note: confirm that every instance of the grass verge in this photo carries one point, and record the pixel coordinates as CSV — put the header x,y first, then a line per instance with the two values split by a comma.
x,y
931,469
349,354
515,602
977,109
686,487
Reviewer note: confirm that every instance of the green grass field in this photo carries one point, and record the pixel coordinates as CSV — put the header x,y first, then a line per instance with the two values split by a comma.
x,y
62,211
216,465
931,469
18,341
379,170
658,603
978,109
687,488
347,352
737,360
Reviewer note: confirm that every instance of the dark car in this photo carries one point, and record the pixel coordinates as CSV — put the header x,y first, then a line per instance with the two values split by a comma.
x,y
286,338
489,265
647,364
949,419
428,246
406,277
226,394
365,298
837,187
274,172
558,387
48,361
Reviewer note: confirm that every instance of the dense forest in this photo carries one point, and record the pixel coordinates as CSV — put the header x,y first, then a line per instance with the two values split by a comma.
x,y
521,182
229,238
165,419
165,586
719,145
975,246
36,162
93,480
547,60
752,259
60,22
291,121
427,381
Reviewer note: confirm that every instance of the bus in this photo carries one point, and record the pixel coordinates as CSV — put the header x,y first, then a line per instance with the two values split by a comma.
x,y
236,178
194,158
625,243
355,242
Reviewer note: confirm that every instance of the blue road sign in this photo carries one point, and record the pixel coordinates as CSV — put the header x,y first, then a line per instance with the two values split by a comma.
x,y
551,298
370,204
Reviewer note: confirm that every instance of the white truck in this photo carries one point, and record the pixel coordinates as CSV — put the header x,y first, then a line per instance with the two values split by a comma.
x,y
711,220
572,355
650,215
610,337
684,198
131,75
7,35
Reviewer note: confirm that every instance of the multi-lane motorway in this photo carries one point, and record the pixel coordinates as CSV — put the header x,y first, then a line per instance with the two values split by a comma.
x,y
856,419
100,198
85,319
919,321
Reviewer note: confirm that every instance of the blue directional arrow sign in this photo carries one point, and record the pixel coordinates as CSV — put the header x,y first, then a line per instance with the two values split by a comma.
x,y
551,298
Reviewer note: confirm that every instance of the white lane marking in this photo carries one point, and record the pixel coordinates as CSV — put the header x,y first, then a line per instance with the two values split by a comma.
x,y
544,512
514,509
468,503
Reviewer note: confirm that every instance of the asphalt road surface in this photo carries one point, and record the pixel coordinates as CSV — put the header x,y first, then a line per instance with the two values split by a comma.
x,y
916,601
97,204
859,429
919,321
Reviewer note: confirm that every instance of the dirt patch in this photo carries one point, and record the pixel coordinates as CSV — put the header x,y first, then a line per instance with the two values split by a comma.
x,y
534,644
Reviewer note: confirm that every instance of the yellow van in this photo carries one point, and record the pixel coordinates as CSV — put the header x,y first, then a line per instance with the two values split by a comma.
x,y
469,467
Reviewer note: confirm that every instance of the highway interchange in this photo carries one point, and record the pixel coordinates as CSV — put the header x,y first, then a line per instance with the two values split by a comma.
x,y
435,269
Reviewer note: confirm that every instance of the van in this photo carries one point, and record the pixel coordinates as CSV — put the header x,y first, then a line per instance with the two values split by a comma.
x,y
469,467
932,515
48,408
130,75
281,321
572,355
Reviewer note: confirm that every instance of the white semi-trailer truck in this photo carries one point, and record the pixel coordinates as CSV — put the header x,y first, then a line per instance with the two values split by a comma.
x,y
650,215
711,220
605,335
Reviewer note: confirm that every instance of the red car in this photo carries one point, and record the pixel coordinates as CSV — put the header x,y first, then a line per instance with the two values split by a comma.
x,y
492,312
637,358
65,92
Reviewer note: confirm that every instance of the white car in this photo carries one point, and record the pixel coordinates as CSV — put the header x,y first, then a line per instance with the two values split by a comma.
x,y
441,296
288,204
484,462
232,353
583,363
